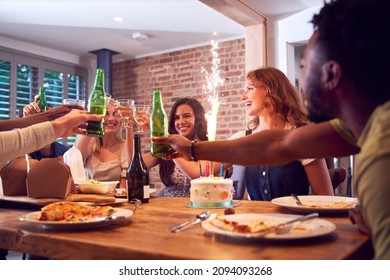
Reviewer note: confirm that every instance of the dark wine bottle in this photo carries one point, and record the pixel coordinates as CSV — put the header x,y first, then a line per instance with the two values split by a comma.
x,y
42,103
137,175
158,125
97,105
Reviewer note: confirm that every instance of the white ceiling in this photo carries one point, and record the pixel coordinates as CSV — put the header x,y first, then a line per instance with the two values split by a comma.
x,y
79,26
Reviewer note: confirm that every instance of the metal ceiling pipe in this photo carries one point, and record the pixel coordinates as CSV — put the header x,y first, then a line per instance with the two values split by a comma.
x,y
104,61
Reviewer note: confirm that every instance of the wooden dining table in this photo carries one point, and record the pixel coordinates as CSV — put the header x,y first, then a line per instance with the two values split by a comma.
x,y
146,235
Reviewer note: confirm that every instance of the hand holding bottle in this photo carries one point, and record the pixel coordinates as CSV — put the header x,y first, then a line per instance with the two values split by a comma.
x,y
37,106
159,125
42,103
98,100
73,122
52,113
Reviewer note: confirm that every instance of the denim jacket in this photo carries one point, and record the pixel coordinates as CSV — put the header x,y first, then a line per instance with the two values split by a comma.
x,y
268,182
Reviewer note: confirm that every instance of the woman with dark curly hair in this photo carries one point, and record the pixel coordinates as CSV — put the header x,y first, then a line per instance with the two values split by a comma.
x,y
273,102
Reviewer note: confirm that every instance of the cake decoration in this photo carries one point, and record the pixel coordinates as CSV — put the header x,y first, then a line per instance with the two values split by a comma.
x,y
211,192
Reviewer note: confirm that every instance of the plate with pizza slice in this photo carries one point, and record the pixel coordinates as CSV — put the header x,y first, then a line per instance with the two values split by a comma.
x,y
317,203
67,215
261,226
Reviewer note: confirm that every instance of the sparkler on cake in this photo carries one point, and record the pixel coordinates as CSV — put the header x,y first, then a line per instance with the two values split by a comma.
x,y
212,191
213,82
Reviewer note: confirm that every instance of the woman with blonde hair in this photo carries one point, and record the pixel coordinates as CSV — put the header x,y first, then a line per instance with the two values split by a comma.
x,y
274,103
105,158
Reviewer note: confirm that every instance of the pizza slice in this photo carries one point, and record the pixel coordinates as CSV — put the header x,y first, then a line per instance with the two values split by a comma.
x,y
243,227
73,211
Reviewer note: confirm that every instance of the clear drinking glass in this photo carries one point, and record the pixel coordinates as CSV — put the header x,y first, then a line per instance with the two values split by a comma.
x,y
142,117
79,102
126,109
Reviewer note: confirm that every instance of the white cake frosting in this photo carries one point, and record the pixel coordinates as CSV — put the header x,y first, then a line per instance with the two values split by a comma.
x,y
211,192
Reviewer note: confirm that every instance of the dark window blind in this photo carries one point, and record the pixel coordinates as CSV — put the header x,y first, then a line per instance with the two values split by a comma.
x,y
5,78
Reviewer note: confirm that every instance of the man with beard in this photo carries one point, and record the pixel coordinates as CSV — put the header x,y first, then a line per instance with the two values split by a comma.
x,y
345,66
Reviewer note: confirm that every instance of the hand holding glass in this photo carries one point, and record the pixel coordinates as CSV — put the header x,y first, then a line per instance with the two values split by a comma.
x,y
126,110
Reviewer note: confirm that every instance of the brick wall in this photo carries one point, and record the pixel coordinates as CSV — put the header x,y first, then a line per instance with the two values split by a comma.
x,y
178,74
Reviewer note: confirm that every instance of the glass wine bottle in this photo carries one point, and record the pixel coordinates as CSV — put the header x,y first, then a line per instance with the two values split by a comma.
x,y
97,105
137,175
42,103
158,125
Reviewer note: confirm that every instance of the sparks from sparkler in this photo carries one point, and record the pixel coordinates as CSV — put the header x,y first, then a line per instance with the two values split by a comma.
x,y
213,82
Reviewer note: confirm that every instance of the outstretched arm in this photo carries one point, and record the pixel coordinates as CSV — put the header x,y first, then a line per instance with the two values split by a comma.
x,y
49,115
270,147
18,142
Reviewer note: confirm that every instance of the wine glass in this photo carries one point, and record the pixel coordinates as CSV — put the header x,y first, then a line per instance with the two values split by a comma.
x,y
141,117
126,109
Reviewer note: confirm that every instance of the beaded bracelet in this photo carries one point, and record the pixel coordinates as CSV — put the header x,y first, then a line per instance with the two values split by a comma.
x,y
192,150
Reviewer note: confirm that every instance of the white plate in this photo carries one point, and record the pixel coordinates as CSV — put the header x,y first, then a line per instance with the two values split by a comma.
x,y
316,203
315,227
32,219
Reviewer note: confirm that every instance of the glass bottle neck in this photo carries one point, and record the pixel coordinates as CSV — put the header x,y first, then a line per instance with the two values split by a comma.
x,y
99,80
137,146
157,100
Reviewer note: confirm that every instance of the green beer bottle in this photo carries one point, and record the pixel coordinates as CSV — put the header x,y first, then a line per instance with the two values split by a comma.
x,y
97,105
158,124
42,103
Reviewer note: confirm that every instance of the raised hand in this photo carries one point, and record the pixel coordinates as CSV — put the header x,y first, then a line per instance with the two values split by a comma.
x,y
73,122
180,145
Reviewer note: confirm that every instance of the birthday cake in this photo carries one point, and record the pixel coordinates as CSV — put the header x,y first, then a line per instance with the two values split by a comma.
x,y
211,192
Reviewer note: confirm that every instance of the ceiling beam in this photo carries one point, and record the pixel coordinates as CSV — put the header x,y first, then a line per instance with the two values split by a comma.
x,y
237,10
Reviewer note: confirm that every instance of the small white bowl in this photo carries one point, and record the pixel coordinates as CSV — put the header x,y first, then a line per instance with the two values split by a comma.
x,y
100,188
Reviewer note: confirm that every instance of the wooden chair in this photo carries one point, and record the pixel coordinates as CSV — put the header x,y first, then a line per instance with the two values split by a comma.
x,y
238,177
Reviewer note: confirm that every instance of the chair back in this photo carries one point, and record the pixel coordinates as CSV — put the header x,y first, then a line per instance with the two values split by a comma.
x,y
337,176
238,177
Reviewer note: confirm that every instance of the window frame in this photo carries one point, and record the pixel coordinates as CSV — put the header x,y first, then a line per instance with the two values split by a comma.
x,y
42,64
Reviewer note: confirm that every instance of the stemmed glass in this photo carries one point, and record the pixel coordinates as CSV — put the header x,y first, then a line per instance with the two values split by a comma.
x,y
126,109
141,117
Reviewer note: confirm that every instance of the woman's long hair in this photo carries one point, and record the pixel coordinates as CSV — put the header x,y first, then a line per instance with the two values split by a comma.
x,y
281,99
199,133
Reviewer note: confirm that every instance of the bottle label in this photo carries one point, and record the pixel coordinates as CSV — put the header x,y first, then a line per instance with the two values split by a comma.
x,y
146,191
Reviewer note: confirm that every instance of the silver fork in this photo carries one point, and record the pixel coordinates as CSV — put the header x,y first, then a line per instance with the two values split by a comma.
x,y
297,200
198,218
285,227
